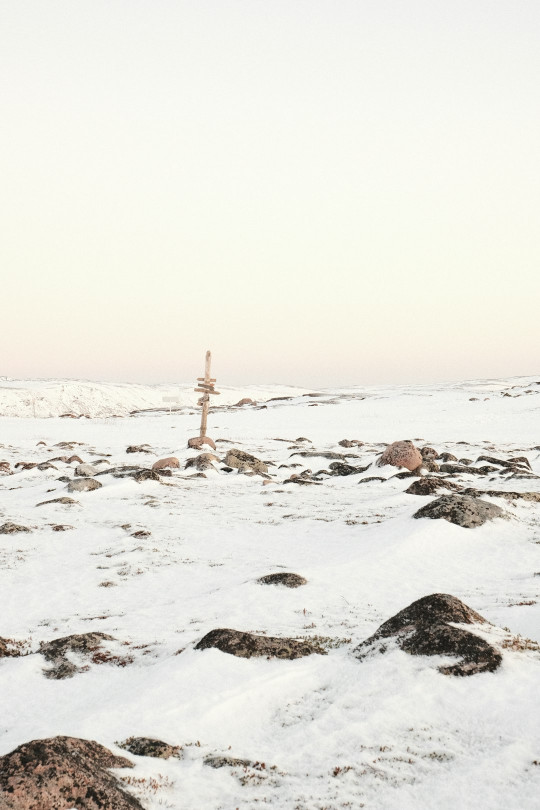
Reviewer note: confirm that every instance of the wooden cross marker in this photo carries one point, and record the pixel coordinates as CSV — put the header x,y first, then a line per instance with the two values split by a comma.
x,y
205,386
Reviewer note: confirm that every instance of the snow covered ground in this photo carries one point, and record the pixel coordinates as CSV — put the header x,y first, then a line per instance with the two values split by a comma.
x,y
389,732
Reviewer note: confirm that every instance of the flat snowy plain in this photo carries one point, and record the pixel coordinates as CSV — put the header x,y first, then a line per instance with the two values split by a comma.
x,y
389,732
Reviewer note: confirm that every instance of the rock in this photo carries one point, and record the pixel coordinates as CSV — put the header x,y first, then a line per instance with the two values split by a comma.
x,y
430,465
301,479
408,474
465,461
339,468
124,471
199,441
513,464
243,461
371,478
233,762
84,485
303,439
522,476
328,454
150,747
13,528
521,460
248,645
428,453
84,644
62,527
288,579
401,454
461,510
71,459
533,497
447,457
456,469
202,462
65,500
245,401
350,443
429,486
424,628
139,448
85,470
60,773
10,648
5,468
26,465
46,465
146,475
170,462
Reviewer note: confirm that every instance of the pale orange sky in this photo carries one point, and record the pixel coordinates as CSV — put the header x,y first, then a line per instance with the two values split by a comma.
x,y
321,192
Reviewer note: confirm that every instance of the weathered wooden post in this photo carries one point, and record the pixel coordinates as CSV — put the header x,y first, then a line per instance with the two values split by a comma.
x,y
205,386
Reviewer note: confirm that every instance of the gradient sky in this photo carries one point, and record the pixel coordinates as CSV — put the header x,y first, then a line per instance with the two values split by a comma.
x,y
338,192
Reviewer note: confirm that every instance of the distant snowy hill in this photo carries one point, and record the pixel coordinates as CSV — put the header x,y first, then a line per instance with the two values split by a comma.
x,y
52,398
49,398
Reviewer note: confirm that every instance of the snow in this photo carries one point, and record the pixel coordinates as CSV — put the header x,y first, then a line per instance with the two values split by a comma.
x,y
389,732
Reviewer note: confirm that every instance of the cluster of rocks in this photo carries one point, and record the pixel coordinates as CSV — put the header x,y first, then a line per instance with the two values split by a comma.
x,y
62,772
60,652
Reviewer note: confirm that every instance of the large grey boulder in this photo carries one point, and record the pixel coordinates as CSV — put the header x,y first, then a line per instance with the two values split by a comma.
x,y
425,627
461,510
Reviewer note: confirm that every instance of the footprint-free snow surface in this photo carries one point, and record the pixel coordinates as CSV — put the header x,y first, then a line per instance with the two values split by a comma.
x,y
106,593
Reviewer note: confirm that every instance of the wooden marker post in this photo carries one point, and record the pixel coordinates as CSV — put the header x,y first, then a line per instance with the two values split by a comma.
x,y
205,386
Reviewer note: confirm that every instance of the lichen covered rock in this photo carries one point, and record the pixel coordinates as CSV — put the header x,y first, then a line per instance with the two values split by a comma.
x,y
462,510
248,645
60,773
425,627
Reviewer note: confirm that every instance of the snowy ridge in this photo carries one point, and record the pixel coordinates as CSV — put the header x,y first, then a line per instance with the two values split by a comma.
x,y
52,398
49,398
